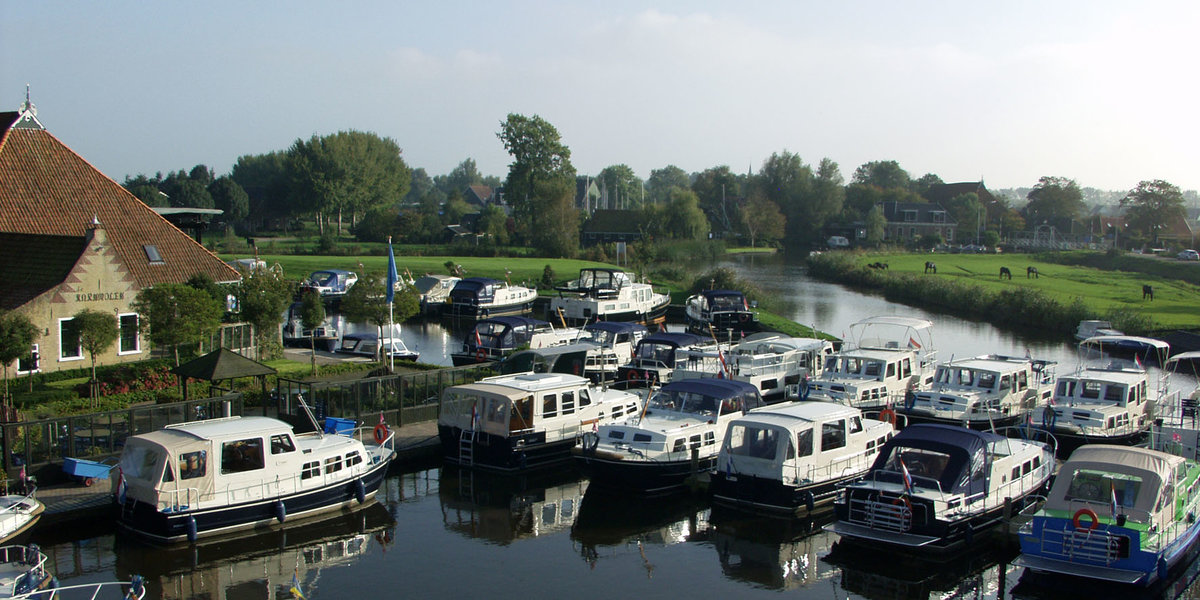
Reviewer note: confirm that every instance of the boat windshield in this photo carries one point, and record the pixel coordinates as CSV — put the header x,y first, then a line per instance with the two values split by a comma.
x,y
730,302
926,467
1102,487
967,377
661,353
602,337
691,403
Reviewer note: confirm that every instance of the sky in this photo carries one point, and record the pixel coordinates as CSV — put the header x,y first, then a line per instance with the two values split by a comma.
x,y
1101,92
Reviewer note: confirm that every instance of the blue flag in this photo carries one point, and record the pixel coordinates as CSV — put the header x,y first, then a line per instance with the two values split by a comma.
x,y
392,277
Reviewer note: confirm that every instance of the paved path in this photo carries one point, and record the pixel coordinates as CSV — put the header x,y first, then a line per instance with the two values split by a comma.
x,y
72,500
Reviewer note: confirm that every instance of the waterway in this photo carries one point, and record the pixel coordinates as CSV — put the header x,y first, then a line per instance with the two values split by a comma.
x,y
437,532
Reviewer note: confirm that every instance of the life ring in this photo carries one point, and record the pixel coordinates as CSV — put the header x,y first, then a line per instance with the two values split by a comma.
x,y
888,415
481,355
743,317
1085,512
381,433
904,501
632,375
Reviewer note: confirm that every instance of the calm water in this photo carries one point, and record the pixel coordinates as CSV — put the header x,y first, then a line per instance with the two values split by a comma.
x,y
439,532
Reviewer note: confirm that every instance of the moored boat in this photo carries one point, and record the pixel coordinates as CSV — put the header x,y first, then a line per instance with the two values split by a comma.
x,y
1094,327
610,345
883,361
983,392
1115,513
938,487
1106,403
602,294
720,312
655,356
772,362
1144,350
434,290
788,459
322,337
19,513
483,297
330,283
495,338
525,420
678,435
366,343
205,478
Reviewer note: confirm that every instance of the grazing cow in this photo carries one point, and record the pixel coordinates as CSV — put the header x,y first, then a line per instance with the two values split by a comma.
x,y
878,265
1148,292
1004,272
1031,272
930,267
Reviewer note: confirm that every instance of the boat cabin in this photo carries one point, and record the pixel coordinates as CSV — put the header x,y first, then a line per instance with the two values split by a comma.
x,y
330,282
655,355
602,284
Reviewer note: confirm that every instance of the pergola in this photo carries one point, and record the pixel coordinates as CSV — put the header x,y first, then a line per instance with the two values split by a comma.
x,y
221,365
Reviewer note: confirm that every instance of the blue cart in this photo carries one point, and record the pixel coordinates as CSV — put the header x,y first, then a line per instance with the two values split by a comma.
x,y
88,471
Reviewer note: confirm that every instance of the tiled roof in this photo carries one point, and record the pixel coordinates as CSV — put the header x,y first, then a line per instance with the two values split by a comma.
x,y
482,194
944,192
46,189
35,264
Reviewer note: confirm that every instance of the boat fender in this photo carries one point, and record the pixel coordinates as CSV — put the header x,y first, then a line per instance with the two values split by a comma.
x,y
1191,518
1090,514
192,534
1049,417
1162,568
381,433
360,491
888,416
280,511
590,442
809,501
632,375
910,399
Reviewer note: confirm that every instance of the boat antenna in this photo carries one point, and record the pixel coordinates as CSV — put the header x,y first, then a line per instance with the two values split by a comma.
x,y
308,411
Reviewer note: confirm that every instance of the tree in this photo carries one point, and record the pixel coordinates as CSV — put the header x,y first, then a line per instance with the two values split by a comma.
x,y
312,315
17,335
762,218
967,211
419,185
1054,199
624,189
263,295
538,156
716,189
185,192
265,178
876,226
883,174
365,302
925,182
347,172
176,315
555,222
683,218
494,223
660,182
228,196
1152,206
97,333
465,174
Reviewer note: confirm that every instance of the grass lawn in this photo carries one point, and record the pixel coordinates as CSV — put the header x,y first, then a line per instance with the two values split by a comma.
x,y
1176,303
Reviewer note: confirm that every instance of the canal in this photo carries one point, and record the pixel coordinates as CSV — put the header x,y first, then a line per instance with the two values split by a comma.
x,y
438,532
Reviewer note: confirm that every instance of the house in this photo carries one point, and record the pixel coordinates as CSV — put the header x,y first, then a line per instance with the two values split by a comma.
x,y
72,239
480,195
907,221
608,226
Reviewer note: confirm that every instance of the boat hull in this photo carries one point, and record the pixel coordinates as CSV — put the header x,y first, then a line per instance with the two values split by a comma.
x,y
1056,545
771,496
976,424
145,520
651,477
458,310
650,317
509,454
1068,442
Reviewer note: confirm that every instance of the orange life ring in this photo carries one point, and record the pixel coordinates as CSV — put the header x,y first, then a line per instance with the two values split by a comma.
x,y
903,500
381,433
1089,513
481,355
888,415
632,375
743,317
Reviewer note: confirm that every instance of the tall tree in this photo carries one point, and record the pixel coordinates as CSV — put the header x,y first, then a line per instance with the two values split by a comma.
x,y
922,184
465,174
717,189
762,219
347,172
555,223
882,174
97,333
624,189
365,303
684,219
660,182
175,315
263,295
1152,206
787,181
539,155
876,226
17,335
228,196
264,178
419,185
1054,199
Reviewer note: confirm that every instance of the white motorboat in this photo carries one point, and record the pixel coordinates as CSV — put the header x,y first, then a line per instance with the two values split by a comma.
x,y
525,420
434,290
330,283
495,338
884,359
772,362
366,343
204,478
1094,327
1112,402
655,356
482,297
791,458
19,513
720,312
984,392
601,294
610,345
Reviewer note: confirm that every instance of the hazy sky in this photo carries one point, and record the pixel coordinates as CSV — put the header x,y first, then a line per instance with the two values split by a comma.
x,y
1101,92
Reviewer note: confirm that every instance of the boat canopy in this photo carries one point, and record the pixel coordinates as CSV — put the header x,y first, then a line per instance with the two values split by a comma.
x,y
1099,473
567,358
482,289
892,332
485,407
952,458
167,460
1175,363
1144,347
707,396
596,281
505,332
615,327
727,299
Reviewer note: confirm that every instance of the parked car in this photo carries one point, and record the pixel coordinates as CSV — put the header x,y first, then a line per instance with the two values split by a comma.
x,y
838,241
1188,255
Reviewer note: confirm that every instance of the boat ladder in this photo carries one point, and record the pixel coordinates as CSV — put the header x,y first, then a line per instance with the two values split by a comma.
x,y
466,447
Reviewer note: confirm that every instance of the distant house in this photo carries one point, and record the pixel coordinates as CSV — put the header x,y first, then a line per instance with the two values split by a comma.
x,y
906,221
942,193
480,195
607,226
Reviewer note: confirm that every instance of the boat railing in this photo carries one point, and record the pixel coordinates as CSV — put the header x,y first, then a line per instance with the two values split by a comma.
x,y
898,477
190,499
843,467
134,589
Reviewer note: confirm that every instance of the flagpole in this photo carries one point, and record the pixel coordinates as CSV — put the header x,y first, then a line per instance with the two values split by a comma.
x,y
391,298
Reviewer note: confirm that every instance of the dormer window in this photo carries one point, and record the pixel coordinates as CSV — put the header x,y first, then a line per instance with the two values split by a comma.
x,y
938,216
152,254
910,216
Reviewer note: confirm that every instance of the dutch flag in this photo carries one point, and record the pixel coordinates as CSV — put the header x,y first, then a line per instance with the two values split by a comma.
x,y
908,480
1113,488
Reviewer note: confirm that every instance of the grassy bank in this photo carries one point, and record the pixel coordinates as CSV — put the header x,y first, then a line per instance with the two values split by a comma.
x,y
1054,301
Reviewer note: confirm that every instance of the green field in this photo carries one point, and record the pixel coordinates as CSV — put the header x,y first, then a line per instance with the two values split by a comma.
x,y
1176,303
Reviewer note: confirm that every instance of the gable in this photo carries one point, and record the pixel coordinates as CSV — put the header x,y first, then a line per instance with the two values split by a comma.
x,y
35,264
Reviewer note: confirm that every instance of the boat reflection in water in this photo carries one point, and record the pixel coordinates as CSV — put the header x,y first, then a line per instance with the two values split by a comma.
x,y
266,564
771,553
626,522
978,572
502,508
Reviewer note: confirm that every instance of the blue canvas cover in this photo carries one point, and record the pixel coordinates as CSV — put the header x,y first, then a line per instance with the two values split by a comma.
x,y
966,448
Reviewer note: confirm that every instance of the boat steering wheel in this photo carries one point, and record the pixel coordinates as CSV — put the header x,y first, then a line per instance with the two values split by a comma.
x,y
1089,491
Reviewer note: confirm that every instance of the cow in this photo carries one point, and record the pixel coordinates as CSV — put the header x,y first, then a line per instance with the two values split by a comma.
x,y
1148,292
930,267
1031,272
878,265
1004,272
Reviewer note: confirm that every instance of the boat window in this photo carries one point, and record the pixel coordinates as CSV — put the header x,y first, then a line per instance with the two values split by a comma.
x,y
333,464
925,466
710,438
568,403
804,443
616,434
906,368
986,381
677,446
855,425
280,444
242,455
522,414
753,441
1114,393
1022,380
1091,485
497,410
694,441
310,470
585,399
139,461
1090,389
549,405
871,369
168,474
1004,382
641,437
833,435
193,464
891,372
1066,388
353,458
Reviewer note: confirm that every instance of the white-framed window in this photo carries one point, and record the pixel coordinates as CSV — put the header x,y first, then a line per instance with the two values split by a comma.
x,y
32,363
129,343
69,347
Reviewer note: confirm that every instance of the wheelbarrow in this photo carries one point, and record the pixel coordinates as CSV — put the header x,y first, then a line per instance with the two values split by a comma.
x,y
88,471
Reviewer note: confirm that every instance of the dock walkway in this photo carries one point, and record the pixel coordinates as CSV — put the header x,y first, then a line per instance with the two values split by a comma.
x,y
72,500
